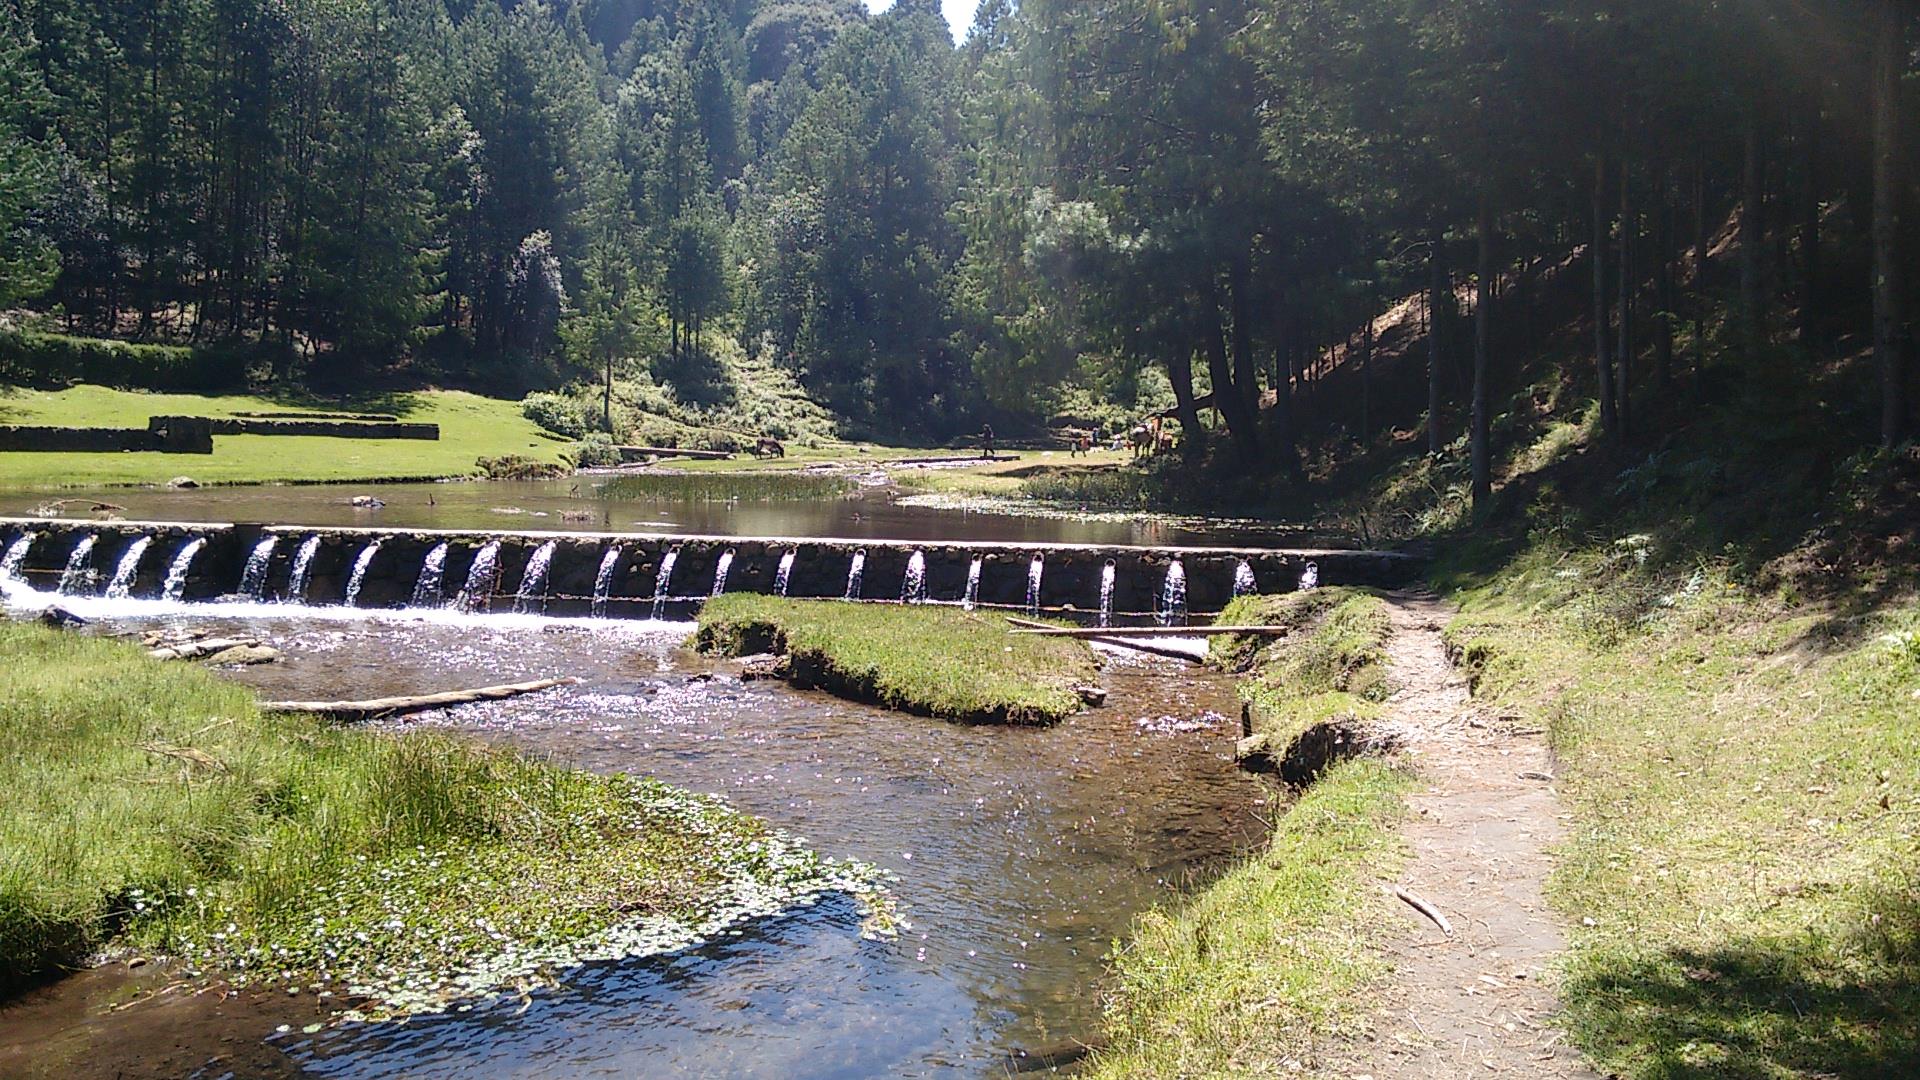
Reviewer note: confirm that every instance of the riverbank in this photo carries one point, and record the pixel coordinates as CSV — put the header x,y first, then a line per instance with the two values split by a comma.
x,y
155,812
471,428
1742,779
937,662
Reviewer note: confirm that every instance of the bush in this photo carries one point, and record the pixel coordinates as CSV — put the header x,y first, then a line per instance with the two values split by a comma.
x,y
557,413
33,356
596,451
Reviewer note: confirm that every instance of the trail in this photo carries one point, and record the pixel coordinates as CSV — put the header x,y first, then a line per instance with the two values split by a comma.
x,y
1481,1003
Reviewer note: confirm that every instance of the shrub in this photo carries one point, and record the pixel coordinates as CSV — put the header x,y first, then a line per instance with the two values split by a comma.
x,y
33,356
596,451
556,413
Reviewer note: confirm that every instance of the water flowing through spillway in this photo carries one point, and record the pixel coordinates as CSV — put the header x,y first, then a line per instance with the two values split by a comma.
x,y
176,585
1173,596
302,570
855,570
16,556
253,579
532,597
481,577
603,581
720,570
76,571
784,576
121,586
971,598
429,589
662,580
1244,583
359,576
1034,570
913,589
1107,574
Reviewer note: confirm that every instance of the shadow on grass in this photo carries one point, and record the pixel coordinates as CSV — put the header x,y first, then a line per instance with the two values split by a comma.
x,y
399,403
1765,1008
698,378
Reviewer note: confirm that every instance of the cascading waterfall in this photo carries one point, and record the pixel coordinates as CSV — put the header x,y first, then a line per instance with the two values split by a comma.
x,y
302,570
429,589
913,589
480,577
783,575
1173,595
532,596
971,598
76,571
253,578
855,570
1244,583
661,580
1034,569
121,585
603,580
176,585
1107,574
720,571
359,575
1310,577
16,556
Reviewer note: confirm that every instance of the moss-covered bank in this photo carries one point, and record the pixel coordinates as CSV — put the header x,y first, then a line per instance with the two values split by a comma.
x,y
1311,696
931,661
154,809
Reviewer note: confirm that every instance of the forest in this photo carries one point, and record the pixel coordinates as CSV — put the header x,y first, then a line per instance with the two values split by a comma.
x,y
1079,210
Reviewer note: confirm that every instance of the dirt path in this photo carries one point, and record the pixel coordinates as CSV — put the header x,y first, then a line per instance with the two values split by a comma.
x,y
1479,1004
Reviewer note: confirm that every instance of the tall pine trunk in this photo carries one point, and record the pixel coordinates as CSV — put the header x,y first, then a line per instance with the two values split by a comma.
x,y
1702,264
1623,361
1664,289
1889,322
1810,314
1602,348
1482,453
1752,236
1436,333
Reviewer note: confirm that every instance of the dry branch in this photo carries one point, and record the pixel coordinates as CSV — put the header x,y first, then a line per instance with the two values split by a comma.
x,y
1101,637
194,650
1426,909
395,706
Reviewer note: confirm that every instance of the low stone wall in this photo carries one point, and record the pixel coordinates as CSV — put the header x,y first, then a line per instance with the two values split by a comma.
x,y
162,435
338,429
1070,575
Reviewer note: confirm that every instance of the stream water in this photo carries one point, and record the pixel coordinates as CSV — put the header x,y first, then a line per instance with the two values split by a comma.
x,y
1022,854
589,504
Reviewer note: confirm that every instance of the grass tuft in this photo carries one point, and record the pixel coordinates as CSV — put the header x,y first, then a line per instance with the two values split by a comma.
x,y
931,661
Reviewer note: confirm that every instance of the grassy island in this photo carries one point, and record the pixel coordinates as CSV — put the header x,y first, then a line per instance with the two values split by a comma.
x,y
153,809
939,662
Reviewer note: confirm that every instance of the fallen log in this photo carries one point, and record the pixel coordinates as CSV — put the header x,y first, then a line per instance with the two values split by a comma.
x,y
397,706
1100,637
1152,631
194,650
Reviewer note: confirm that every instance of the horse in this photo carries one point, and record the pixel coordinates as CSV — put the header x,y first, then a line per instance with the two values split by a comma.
x,y
1141,440
768,447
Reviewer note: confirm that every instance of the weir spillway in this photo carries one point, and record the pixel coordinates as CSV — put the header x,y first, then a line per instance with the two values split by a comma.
x,y
640,575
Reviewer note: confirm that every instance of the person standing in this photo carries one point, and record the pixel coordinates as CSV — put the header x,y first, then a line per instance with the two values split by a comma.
x,y
986,440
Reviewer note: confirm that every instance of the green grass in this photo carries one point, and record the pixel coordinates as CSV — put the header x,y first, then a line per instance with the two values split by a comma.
x,y
1244,978
930,661
471,427
153,808
1744,781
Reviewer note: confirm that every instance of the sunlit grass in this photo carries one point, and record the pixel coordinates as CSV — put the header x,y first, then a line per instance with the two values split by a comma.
x,y
471,427
1241,980
932,661
154,807
1740,877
